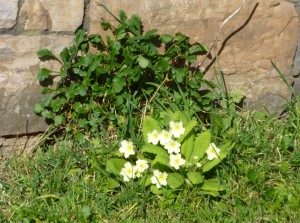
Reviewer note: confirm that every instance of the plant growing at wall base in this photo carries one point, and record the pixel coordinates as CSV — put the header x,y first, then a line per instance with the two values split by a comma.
x,y
173,156
97,86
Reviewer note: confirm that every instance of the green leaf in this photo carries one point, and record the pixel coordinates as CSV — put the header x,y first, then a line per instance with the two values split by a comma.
x,y
162,65
112,184
86,212
180,74
43,74
212,163
158,150
122,16
212,185
65,55
200,146
59,120
188,143
78,107
46,54
188,128
175,180
149,125
118,84
143,62
161,159
155,190
38,108
80,37
165,38
198,48
115,165
195,177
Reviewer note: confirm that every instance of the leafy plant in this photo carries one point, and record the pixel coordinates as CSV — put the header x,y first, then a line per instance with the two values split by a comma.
x,y
171,158
123,70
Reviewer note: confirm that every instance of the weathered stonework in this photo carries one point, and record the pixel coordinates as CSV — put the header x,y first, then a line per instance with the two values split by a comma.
x,y
19,89
8,13
263,30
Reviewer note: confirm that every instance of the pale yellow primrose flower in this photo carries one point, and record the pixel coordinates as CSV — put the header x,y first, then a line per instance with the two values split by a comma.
x,y
153,137
176,161
164,137
176,129
127,148
141,166
159,178
212,152
128,172
173,147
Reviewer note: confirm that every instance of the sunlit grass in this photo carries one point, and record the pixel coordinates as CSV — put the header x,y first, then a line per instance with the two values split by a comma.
x,y
67,182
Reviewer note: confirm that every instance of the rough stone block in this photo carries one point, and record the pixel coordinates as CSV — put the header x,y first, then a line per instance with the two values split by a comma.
x,y
8,13
19,89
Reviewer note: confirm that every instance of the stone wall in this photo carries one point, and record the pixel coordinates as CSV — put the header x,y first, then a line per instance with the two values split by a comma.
x,y
263,30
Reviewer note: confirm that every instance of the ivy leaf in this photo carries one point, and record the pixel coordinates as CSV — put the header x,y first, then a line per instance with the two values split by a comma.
x,y
175,180
198,48
212,163
43,74
195,177
149,125
143,62
115,165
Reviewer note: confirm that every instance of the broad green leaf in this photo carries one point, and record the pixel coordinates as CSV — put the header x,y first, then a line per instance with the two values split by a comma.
x,y
38,108
115,165
59,120
145,180
149,125
80,37
112,184
212,163
200,146
165,38
143,62
46,54
187,143
65,55
47,114
162,65
118,84
43,74
86,61
175,180
212,185
149,148
155,190
78,107
188,128
180,74
161,159
195,177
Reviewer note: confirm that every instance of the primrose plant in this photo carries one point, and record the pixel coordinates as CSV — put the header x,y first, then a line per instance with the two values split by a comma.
x,y
173,156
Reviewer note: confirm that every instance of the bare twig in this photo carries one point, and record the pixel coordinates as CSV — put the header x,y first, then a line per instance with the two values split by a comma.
x,y
220,30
